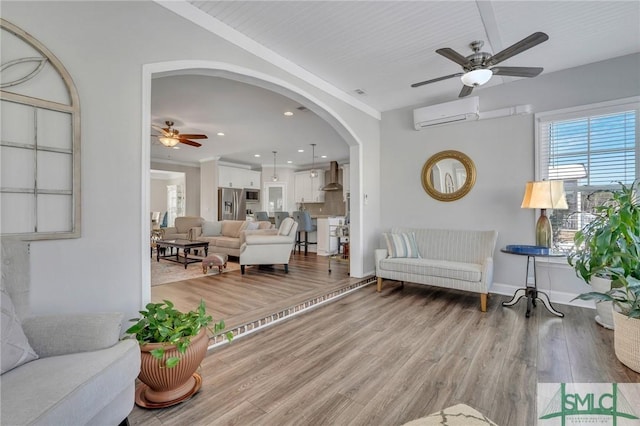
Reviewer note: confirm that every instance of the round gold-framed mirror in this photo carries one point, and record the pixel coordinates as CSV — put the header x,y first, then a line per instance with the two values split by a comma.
x,y
448,175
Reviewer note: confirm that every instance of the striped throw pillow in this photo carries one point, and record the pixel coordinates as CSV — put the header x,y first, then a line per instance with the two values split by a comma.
x,y
402,245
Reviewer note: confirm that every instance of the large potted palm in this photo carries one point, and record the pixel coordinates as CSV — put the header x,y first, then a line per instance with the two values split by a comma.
x,y
607,249
172,346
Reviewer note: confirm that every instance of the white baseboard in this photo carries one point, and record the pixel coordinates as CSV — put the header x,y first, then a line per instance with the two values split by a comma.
x,y
559,297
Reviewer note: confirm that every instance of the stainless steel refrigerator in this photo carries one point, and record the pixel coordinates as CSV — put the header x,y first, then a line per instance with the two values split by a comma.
x,y
231,204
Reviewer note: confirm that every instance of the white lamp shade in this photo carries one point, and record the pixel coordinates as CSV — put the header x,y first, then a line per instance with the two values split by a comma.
x,y
547,194
476,77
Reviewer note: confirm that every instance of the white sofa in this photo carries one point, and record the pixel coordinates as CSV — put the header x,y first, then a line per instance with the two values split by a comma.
x,y
82,374
457,259
269,246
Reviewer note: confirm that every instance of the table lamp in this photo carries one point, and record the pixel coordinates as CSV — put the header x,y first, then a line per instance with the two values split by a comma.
x,y
543,195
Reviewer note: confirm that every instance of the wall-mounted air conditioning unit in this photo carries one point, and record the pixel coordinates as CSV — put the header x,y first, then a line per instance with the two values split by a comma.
x,y
449,112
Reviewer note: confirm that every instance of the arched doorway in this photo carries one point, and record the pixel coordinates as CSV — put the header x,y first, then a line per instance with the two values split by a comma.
x,y
248,76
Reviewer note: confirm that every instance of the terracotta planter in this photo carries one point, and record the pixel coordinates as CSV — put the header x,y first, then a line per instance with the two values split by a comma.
x,y
604,309
168,386
627,340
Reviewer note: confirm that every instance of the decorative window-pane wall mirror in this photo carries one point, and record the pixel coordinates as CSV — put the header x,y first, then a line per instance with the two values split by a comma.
x,y
39,141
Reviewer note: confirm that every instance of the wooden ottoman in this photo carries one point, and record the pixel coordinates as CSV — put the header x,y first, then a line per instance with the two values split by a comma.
x,y
214,259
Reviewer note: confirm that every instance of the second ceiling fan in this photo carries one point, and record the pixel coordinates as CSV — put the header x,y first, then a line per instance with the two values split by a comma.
x,y
480,66
170,136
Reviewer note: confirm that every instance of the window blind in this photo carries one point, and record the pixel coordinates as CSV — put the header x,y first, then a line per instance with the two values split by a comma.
x,y
591,149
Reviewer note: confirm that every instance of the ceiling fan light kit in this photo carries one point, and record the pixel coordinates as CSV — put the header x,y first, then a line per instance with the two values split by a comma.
x,y
476,78
479,66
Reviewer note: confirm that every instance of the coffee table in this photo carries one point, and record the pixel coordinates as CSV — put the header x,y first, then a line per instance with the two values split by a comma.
x,y
185,245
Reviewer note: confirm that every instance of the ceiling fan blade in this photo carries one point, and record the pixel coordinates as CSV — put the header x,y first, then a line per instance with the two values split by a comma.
x,y
454,56
189,136
188,142
517,71
164,131
524,44
466,91
422,83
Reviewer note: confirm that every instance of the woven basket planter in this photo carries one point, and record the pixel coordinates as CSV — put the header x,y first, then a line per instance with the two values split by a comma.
x,y
626,337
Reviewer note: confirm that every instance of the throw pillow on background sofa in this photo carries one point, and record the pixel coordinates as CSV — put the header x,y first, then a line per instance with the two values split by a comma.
x,y
211,229
16,349
402,245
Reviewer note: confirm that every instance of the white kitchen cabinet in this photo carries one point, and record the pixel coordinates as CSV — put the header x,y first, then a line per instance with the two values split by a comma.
x,y
252,179
235,177
327,243
307,189
346,188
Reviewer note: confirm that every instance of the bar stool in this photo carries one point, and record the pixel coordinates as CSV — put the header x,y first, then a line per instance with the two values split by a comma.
x,y
279,217
262,216
304,225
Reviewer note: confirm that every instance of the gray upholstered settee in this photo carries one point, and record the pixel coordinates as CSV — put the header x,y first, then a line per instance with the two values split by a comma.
x,y
84,373
226,236
456,259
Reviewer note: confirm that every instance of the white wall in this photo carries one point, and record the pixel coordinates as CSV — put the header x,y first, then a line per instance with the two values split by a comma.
x,y
104,46
503,152
191,186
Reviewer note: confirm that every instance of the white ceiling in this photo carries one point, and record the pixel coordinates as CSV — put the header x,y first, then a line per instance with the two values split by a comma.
x,y
380,47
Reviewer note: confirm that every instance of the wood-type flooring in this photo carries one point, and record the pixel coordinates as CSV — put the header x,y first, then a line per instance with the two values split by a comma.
x,y
386,359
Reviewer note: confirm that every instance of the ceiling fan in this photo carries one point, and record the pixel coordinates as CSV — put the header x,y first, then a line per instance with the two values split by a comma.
x,y
170,136
479,66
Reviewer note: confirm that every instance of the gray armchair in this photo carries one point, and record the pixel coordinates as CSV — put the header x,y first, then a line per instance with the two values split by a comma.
x,y
269,246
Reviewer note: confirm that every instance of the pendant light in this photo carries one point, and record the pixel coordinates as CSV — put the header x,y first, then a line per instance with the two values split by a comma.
x,y
314,173
275,175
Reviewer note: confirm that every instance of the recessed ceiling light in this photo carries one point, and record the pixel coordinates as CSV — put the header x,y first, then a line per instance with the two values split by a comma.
x,y
288,113
289,161
323,156
256,155
220,134
301,150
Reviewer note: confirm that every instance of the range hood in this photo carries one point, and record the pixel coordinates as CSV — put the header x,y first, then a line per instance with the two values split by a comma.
x,y
333,184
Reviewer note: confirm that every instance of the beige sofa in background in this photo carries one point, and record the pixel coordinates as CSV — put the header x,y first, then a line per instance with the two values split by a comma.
x,y
225,236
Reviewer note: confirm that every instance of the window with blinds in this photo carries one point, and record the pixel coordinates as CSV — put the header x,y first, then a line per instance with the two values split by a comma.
x,y
590,149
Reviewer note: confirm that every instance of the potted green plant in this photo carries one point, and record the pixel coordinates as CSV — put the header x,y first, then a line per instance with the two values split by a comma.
x,y
610,242
172,346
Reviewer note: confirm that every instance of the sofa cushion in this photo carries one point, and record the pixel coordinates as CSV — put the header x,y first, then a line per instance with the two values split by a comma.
x,y
226,242
184,223
435,268
211,229
232,228
252,226
69,389
402,244
15,346
264,224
